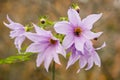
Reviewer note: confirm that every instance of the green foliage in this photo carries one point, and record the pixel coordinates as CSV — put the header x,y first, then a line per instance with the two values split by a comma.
x,y
60,37
28,28
63,19
75,6
44,22
16,58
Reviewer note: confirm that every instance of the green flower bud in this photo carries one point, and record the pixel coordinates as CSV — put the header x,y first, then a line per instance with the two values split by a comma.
x,y
76,7
42,21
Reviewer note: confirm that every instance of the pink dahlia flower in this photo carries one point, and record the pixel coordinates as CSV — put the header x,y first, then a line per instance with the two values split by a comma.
x,y
18,32
77,31
46,45
89,57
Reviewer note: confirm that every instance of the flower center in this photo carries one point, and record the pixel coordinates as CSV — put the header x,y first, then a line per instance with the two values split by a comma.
x,y
77,31
95,39
53,41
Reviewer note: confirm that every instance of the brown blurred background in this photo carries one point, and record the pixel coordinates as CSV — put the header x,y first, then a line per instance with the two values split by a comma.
x,y
27,11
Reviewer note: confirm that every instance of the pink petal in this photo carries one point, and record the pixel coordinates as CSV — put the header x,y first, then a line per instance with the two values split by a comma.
x,y
68,41
14,26
47,62
91,35
35,37
103,45
63,27
7,25
56,58
79,43
41,31
37,47
90,63
60,50
96,59
88,46
82,62
90,20
48,56
13,34
16,33
18,42
10,21
40,59
73,58
74,17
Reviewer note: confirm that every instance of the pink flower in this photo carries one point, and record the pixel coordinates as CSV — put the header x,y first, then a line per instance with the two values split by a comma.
x,y
17,32
46,45
89,57
77,31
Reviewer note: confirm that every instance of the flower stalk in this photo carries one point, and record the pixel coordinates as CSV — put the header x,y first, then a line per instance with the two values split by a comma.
x,y
53,71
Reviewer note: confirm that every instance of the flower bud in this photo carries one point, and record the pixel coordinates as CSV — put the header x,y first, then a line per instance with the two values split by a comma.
x,y
76,7
42,21
26,28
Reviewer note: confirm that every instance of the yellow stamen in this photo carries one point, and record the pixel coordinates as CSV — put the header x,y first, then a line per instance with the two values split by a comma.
x,y
52,41
77,31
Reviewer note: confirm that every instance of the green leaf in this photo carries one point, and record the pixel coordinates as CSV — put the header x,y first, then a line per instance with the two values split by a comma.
x,y
16,58
60,37
63,18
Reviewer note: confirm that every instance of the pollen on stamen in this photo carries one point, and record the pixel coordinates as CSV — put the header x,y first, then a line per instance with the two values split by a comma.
x,y
53,41
77,31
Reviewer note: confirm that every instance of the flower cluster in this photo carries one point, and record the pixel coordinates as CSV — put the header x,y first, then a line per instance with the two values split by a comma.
x,y
78,36
77,40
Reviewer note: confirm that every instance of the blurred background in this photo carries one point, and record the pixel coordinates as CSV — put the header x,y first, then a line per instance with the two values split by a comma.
x,y
27,11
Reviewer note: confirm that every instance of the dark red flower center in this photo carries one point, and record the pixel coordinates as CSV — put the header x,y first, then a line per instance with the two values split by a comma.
x,y
53,41
77,31
95,39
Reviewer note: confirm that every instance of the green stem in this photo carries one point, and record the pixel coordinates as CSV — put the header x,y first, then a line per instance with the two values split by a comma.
x,y
53,71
